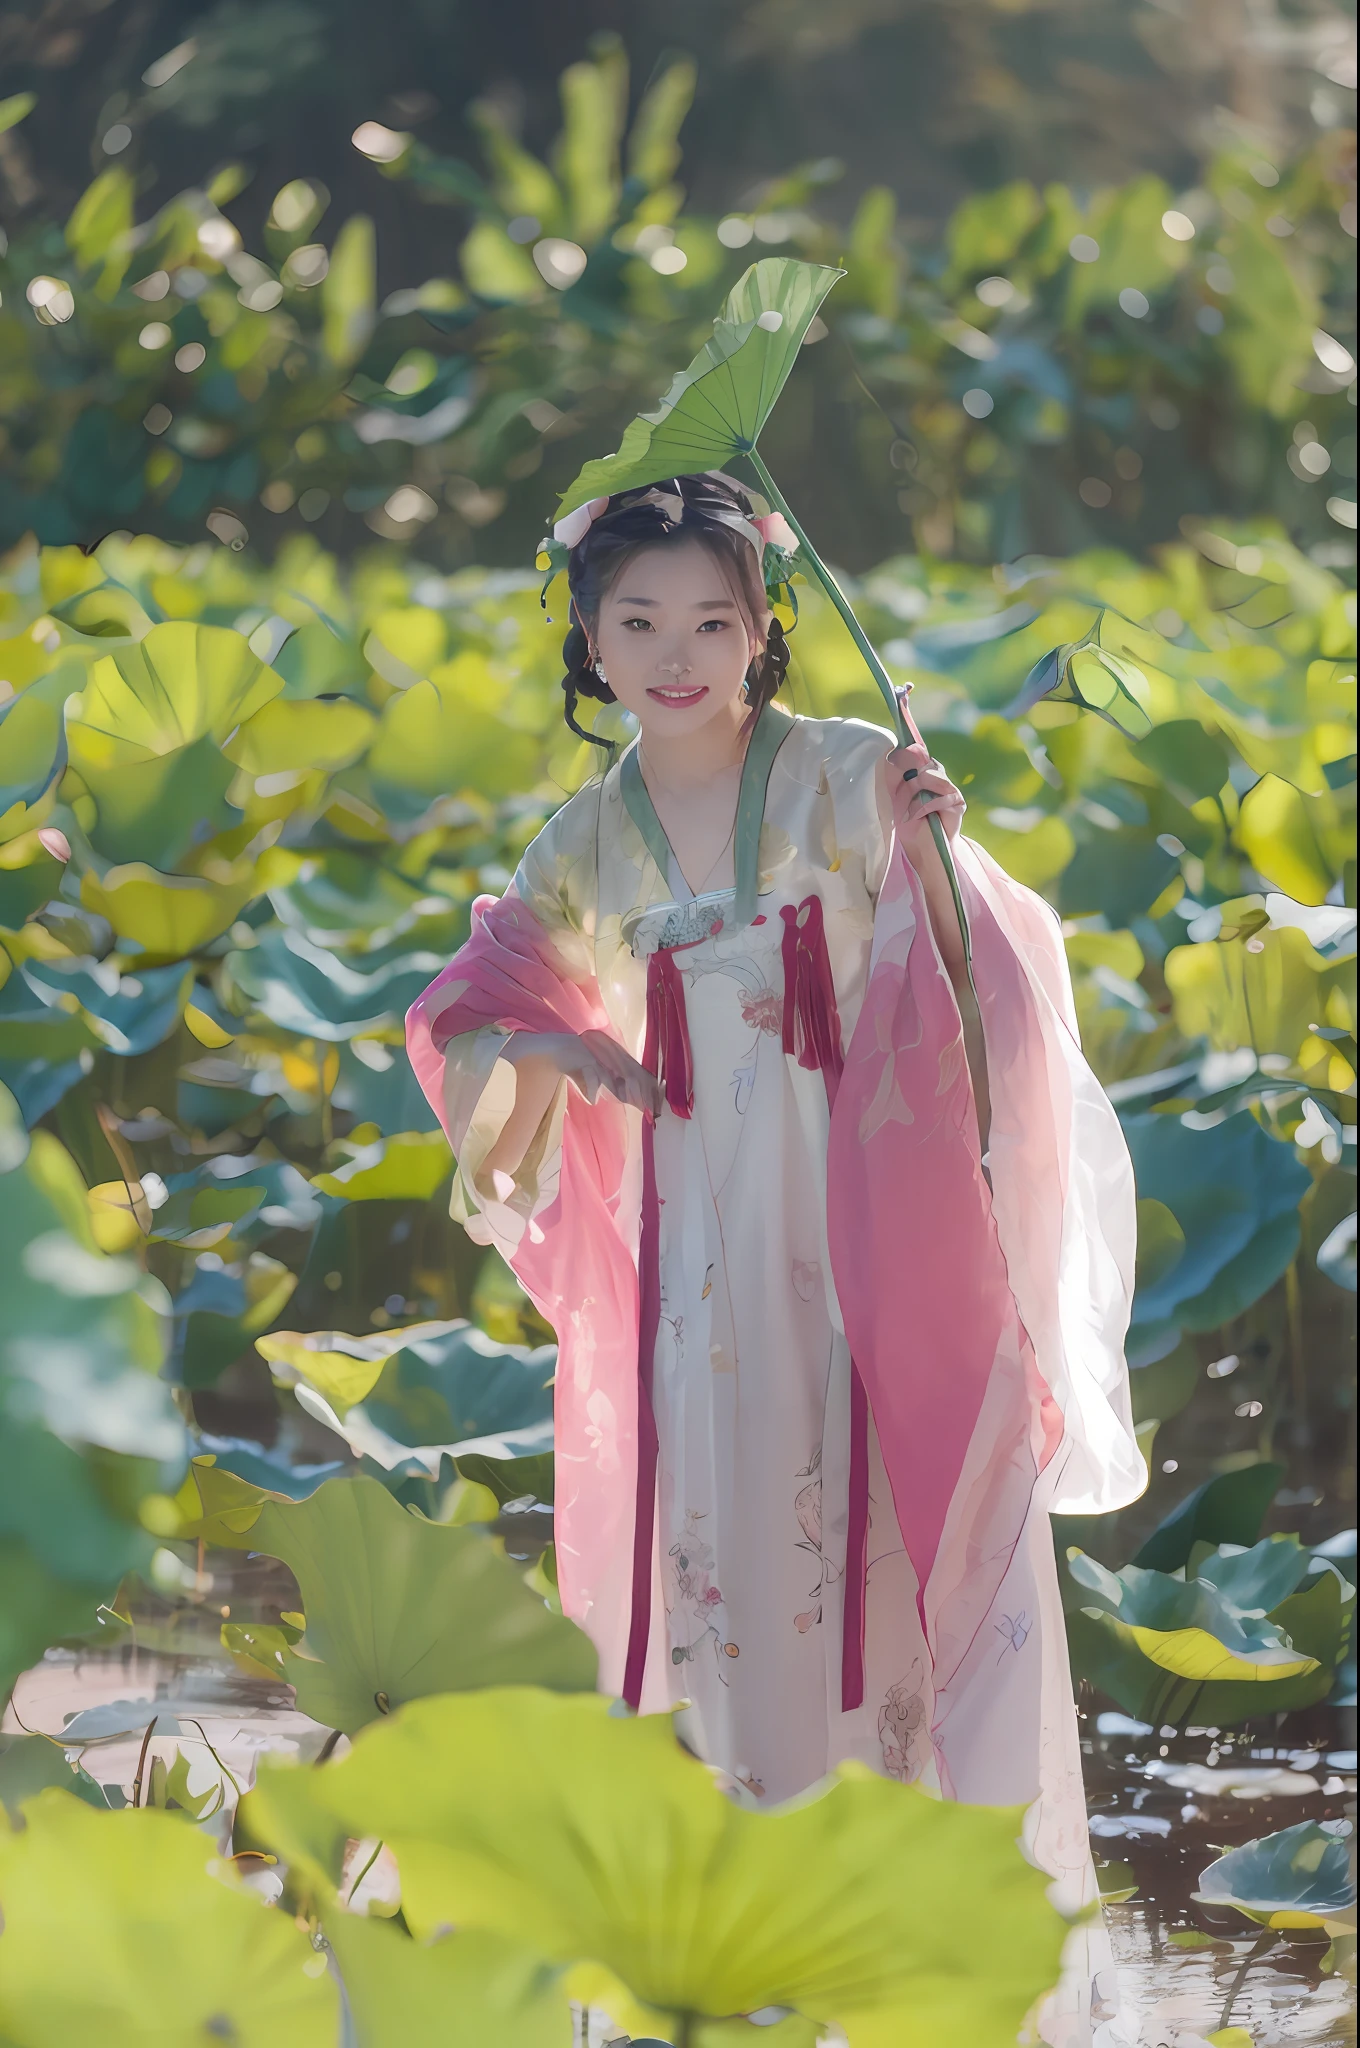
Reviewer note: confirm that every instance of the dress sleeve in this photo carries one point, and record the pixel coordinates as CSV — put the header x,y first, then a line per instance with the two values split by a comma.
x,y
479,1086
854,752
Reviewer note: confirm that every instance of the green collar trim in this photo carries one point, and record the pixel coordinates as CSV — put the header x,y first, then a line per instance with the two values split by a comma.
x,y
772,729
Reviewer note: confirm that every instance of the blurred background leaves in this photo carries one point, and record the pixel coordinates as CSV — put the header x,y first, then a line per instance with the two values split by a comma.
x,y
1099,278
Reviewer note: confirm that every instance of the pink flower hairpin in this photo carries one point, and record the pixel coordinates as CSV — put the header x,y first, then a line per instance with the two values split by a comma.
x,y
576,525
775,531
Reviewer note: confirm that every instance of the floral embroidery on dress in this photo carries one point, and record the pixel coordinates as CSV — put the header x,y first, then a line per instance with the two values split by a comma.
x,y
807,1507
903,1734
763,1010
696,1616
1015,1628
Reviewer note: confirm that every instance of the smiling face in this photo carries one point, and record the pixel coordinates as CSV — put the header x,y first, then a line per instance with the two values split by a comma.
x,y
675,638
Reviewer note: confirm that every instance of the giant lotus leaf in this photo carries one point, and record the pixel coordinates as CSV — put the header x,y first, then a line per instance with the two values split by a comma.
x,y
427,1384
86,1427
147,732
168,917
1234,1193
468,1990
1300,843
1300,1877
172,1947
714,410
1268,998
398,1607
448,733
1188,1627
597,1838
323,994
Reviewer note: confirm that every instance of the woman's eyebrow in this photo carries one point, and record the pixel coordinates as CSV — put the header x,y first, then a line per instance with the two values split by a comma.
x,y
707,604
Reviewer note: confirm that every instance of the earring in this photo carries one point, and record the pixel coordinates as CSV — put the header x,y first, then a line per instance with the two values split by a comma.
x,y
599,670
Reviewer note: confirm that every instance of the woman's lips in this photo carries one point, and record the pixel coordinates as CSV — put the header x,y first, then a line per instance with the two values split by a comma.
x,y
689,694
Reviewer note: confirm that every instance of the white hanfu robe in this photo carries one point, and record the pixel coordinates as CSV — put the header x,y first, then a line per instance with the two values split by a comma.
x,y
751,1372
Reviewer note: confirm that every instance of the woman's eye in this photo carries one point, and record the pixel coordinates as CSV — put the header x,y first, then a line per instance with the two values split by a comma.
x,y
637,622
714,626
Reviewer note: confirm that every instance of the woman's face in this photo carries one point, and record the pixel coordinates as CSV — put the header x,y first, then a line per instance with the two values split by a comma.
x,y
673,640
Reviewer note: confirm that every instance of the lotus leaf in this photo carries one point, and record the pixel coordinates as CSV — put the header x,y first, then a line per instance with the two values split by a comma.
x,y
305,988
214,1505
1165,1385
510,1478
1191,761
291,735
409,1165
1300,843
81,1341
1229,1508
37,1607
377,1086
1234,1192
267,1469
713,411
341,1368
32,744
205,1205
319,660
129,1012
167,916
448,733
1254,1580
1118,872
219,1315
342,895
596,1836
146,735
171,1946
1161,1242
1187,1628
466,1990
1300,1877
1319,1620
347,292
31,1763
398,1607
445,1387
1268,999
30,876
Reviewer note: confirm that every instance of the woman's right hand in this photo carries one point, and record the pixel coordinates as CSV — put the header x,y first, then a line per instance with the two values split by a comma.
x,y
591,1060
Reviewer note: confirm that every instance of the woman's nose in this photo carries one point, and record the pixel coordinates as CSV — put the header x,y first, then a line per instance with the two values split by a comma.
x,y
673,666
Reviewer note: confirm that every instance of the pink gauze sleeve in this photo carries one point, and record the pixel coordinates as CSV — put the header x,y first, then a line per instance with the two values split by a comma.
x,y
576,1259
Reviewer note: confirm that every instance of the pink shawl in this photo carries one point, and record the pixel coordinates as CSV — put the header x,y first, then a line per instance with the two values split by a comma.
x,y
985,1321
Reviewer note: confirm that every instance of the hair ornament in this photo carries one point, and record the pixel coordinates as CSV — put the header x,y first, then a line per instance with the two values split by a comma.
x,y
769,533
577,524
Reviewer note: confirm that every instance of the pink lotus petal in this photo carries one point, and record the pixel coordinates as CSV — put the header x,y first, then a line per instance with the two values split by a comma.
x,y
56,843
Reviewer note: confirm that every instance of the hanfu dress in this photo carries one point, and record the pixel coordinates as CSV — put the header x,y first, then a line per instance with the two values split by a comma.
x,y
749,1321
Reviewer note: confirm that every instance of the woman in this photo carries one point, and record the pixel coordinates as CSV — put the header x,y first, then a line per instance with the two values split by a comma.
x,y
835,1227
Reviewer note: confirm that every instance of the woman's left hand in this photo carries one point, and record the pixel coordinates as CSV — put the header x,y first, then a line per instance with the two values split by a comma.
x,y
919,787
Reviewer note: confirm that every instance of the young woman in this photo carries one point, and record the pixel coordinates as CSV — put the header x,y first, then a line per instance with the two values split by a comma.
x,y
835,1227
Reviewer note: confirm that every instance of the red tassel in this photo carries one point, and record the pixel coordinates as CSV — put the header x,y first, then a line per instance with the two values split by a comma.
x,y
668,1033
812,1022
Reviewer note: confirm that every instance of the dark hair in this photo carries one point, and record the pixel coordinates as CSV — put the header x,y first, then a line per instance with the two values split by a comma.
x,y
684,508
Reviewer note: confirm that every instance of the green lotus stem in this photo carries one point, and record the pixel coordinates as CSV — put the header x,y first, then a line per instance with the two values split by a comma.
x,y
377,1852
1264,1940
880,676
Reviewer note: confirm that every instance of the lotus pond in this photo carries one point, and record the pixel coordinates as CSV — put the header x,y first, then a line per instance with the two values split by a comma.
x,y
275,1471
